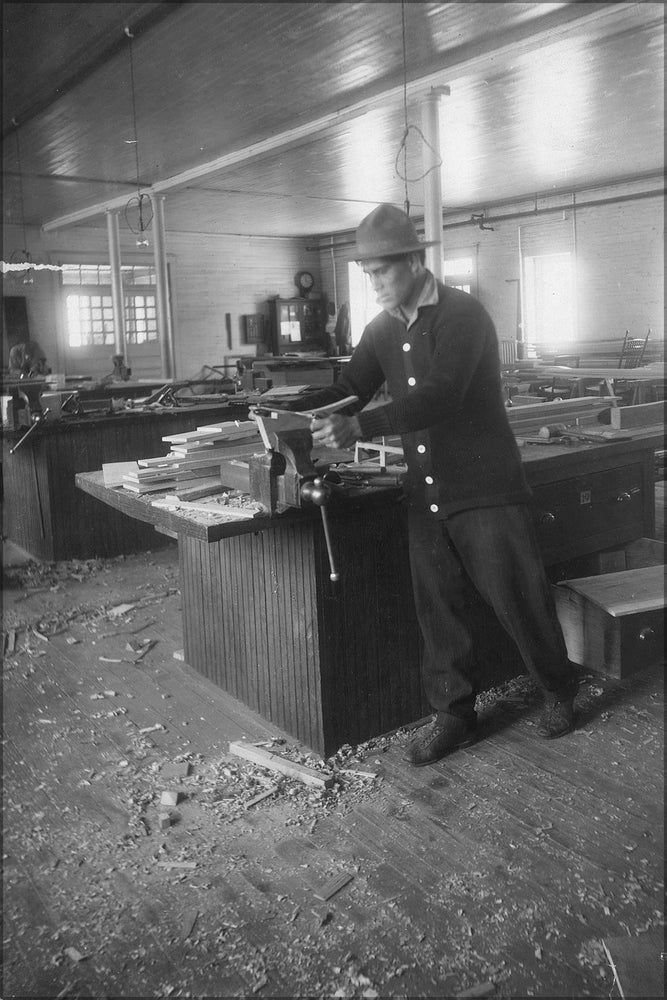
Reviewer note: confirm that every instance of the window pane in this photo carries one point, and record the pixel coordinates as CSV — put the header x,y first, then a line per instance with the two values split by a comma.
x,y
140,319
549,298
363,306
459,266
138,274
89,316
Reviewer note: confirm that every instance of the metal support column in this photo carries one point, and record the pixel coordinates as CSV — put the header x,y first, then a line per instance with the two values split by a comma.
x,y
117,297
164,319
433,179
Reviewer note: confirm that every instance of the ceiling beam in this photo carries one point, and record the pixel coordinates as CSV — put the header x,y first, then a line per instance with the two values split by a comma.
x,y
105,52
555,26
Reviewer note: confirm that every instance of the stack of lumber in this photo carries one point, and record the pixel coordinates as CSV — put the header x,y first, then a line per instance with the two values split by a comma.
x,y
585,410
191,469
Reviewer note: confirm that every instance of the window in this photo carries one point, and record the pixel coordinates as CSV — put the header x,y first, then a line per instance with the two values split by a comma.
x,y
459,272
549,298
89,305
363,306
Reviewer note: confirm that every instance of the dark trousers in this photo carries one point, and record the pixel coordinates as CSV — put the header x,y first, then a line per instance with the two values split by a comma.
x,y
479,562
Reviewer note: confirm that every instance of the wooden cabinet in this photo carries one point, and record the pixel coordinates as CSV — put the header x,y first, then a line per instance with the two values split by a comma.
x,y
592,511
298,326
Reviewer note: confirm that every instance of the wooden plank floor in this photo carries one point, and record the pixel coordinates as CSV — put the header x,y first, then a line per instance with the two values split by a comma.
x,y
502,868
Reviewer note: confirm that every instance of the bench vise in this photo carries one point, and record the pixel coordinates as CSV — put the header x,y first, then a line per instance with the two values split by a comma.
x,y
284,476
277,476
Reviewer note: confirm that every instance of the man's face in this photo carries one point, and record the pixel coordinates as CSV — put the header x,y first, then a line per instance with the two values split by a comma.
x,y
393,281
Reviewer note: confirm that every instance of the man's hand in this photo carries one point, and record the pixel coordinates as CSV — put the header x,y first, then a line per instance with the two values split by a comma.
x,y
335,431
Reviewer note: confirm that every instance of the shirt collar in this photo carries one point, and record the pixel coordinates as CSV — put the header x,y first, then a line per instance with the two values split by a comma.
x,y
427,295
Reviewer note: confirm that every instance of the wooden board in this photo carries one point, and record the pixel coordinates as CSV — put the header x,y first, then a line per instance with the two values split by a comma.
x,y
624,593
638,964
643,415
276,762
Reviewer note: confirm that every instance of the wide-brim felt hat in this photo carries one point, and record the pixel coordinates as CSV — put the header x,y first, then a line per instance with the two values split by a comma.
x,y
386,232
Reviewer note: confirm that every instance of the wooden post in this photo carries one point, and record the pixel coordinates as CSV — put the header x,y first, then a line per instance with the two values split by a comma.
x,y
433,180
117,297
164,319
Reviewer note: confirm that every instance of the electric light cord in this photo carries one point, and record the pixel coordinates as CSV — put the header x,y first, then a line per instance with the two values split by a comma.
x,y
408,127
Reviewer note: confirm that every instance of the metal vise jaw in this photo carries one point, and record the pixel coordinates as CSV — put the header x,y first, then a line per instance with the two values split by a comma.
x,y
276,477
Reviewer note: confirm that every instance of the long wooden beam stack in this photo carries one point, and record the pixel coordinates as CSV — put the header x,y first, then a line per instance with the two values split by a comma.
x,y
566,411
191,468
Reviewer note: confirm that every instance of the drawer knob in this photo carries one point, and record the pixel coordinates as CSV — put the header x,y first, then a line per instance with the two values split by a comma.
x,y
647,633
548,518
623,498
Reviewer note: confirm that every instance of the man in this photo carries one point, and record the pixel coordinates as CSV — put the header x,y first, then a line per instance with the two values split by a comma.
x,y
28,360
472,542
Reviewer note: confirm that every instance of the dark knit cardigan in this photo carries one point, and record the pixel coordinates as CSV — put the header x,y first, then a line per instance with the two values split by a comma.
x,y
443,376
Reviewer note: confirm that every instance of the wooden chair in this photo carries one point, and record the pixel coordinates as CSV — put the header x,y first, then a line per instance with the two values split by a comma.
x,y
632,351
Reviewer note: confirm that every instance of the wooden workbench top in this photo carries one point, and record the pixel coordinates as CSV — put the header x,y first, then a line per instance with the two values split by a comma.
x,y
543,464
68,424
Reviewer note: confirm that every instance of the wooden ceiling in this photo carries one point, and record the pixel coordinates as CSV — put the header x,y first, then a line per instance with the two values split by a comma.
x,y
286,119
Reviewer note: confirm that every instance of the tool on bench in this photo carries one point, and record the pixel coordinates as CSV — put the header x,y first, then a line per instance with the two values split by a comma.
x,y
561,434
318,413
285,476
565,442
38,418
560,431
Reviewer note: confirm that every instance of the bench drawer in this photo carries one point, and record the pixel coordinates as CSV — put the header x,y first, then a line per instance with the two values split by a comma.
x,y
614,623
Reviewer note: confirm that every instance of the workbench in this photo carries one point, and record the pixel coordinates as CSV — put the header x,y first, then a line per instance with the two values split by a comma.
x,y
338,662
43,511
642,385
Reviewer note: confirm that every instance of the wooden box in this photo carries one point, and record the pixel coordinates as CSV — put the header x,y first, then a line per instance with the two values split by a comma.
x,y
613,623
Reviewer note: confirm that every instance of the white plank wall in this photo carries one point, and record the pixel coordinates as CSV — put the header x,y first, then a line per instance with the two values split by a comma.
x,y
620,256
620,259
210,276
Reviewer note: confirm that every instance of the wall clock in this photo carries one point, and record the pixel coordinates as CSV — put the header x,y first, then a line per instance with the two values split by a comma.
x,y
304,282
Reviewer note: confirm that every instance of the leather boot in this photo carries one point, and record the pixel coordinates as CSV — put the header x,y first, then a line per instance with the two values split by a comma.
x,y
557,717
439,739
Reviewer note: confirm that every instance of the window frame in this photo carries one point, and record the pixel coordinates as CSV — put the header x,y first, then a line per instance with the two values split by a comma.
x,y
131,290
534,292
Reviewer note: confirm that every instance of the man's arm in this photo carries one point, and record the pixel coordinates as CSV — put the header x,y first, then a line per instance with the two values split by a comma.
x,y
440,392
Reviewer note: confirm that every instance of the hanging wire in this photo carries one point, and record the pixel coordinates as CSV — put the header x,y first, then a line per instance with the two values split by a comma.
x,y
407,128
140,198
21,199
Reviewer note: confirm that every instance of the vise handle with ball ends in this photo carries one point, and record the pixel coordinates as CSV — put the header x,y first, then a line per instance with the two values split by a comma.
x,y
319,493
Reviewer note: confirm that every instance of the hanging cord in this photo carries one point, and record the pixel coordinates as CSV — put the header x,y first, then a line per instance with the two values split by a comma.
x,y
407,127
21,199
135,142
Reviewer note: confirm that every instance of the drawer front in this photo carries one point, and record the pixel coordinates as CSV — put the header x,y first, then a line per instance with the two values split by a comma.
x,y
576,515
642,641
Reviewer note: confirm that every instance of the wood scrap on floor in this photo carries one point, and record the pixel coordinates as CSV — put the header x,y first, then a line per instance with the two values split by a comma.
x,y
503,867
275,762
334,886
638,964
